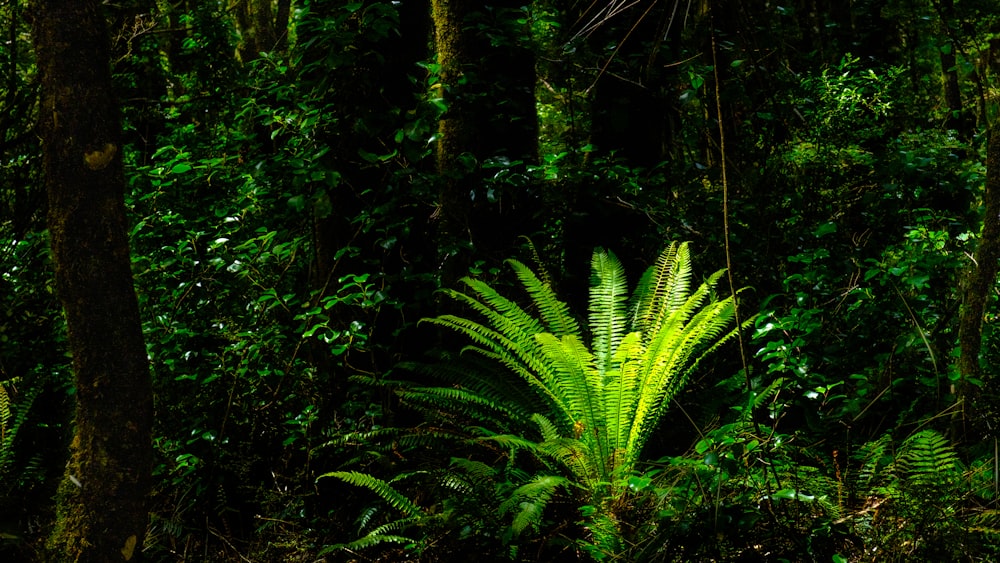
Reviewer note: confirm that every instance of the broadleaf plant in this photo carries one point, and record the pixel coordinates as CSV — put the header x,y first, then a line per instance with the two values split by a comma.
x,y
582,402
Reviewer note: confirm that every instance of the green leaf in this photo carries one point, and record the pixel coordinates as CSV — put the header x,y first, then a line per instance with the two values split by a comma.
x,y
297,203
825,229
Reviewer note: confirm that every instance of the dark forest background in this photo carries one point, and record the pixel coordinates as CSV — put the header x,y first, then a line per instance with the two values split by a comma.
x,y
304,177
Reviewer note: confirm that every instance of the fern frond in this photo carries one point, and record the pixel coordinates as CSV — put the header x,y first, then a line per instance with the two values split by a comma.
x,y
383,440
517,443
606,537
543,383
377,536
481,375
873,457
554,312
476,471
364,543
758,398
366,517
459,483
6,432
578,458
548,430
541,488
536,257
621,395
927,458
522,360
662,289
529,515
579,388
421,437
361,438
987,522
12,418
815,485
608,295
494,338
670,357
566,453
5,413
530,499
383,489
495,306
712,333
506,322
522,356
463,402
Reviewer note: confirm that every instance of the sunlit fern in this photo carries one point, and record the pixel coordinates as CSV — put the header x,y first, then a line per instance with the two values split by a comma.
x,y
583,402
610,394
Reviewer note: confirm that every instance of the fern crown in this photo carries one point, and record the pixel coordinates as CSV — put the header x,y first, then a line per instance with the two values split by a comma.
x,y
595,397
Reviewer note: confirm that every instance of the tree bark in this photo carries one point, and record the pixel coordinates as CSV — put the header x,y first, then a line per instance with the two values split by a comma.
x,y
102,508
257,27
981,279
456,131
957,119
488,85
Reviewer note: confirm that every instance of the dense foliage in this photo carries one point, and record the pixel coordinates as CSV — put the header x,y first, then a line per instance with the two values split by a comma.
x,y
293,218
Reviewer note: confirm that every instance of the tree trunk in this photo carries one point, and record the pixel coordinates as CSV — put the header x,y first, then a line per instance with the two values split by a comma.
x,y
256,24
102,508
981,279
457,133
489,88
281,19
957,119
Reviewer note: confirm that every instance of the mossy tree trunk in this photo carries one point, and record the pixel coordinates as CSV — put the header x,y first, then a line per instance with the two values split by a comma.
x,y
263,26
457,132
102,512
981,281
487,77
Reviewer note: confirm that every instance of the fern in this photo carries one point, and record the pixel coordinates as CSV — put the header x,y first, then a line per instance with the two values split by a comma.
x,y
607,309
476,471
12,419
663,288
928,459
377,536
379,487
987,523
605,396
583,403
5,412
554,312
914,497
530,499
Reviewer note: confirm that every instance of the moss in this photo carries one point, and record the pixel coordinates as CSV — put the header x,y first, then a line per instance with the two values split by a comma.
x,y
101,503
67,541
